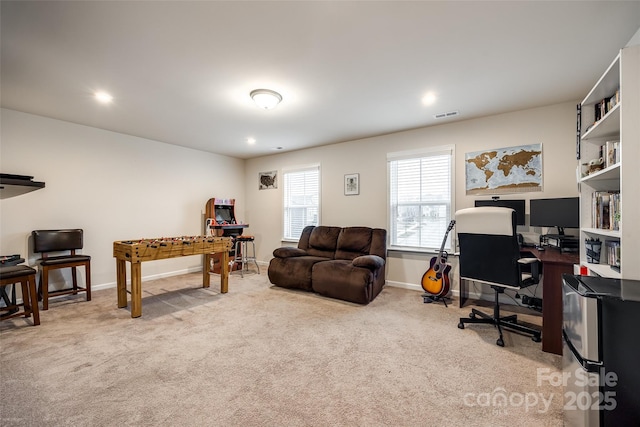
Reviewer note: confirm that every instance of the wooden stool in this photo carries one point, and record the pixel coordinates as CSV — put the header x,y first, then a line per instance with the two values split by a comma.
x,y
26,276
242,256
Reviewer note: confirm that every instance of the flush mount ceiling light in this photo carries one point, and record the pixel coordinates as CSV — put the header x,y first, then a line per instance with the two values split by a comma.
x,y
265,98
103,97
429,98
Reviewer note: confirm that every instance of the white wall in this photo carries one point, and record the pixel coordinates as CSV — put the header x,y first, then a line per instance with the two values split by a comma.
x,y
114,186
635,40
119,187
553,126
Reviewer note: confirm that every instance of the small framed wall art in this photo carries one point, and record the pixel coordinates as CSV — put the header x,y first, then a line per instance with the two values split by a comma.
x,y
352,184
268,180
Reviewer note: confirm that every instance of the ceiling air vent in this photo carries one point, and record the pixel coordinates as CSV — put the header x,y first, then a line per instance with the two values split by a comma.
x,y
446,115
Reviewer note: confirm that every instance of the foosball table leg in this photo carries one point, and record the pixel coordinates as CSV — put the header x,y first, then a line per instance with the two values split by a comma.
x,y
121,280
206,277
136,289
224,273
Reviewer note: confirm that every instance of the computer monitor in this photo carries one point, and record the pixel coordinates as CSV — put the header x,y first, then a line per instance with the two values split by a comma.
x,y
561,212
516,205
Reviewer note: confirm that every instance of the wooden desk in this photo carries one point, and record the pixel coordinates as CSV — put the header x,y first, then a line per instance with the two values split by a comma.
x,y
554,265
137,251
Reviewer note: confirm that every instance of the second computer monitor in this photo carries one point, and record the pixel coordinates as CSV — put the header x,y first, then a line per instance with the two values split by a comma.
x,y
563,212
516,205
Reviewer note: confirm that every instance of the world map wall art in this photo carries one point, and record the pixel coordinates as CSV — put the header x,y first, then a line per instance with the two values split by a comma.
x,y
504,170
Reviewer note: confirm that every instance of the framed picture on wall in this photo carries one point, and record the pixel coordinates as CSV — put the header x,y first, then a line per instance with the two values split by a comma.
x,y
268,180
516,169
352,184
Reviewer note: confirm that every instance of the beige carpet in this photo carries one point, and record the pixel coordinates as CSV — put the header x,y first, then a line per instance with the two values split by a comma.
x,y
265,356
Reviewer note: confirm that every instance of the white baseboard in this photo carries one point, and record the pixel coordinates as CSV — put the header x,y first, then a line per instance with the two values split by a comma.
x,y
403,285
151,277
418,288
159,276
110,285
454,292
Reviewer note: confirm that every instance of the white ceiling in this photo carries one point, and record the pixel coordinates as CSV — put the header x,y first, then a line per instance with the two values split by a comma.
x,y
181,72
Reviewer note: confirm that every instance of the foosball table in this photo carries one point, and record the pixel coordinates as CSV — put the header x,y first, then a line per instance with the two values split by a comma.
x,y
138,251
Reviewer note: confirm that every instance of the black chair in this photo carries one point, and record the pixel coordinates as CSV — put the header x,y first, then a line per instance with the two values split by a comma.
x,y
490,254
50,243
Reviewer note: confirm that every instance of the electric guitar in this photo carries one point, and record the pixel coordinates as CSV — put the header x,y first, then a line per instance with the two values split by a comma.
x,y
436,280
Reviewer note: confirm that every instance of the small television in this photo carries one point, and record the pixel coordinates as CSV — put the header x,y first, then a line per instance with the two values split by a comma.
x,y
516,205
561,212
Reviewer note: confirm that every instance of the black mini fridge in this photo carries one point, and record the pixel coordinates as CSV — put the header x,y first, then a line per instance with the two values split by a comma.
x,y
601,351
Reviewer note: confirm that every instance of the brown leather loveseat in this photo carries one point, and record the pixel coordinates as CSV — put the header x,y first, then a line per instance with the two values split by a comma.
x,y
345,263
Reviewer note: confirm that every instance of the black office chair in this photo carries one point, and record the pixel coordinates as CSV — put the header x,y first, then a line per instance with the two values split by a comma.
x,y
490,254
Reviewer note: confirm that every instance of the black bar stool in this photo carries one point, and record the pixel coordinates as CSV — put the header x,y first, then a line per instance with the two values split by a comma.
x,y
26,276
49,242
242,256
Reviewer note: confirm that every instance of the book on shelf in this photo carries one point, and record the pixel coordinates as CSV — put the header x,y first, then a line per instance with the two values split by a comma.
x,y
599,110
612,252
611,153
615,99
605,210
602,107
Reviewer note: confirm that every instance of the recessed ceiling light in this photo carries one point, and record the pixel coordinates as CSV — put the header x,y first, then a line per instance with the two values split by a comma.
x,y
429,98
251,141
103,97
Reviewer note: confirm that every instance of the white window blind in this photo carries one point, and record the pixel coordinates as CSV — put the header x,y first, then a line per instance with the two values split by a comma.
x,y
301,200
420,198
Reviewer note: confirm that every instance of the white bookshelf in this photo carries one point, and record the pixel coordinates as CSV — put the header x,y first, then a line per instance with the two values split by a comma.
x,y
620,123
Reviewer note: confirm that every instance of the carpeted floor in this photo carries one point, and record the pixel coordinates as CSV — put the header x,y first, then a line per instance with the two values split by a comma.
x,y
265,356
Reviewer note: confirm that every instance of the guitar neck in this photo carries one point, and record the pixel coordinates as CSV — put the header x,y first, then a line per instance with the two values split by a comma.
x,y
442,258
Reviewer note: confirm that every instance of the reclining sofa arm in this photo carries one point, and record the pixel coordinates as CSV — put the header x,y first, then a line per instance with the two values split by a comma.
x,y
372,262
288,252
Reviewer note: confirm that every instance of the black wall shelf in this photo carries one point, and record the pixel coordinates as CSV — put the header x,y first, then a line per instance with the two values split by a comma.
x,y
15,185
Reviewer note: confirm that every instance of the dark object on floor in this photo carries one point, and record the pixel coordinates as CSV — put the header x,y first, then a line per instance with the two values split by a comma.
x,y
428,299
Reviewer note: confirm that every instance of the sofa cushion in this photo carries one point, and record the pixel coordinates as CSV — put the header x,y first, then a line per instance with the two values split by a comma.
x,y
294,272
353,242
341,279
303,243
378,243
322,241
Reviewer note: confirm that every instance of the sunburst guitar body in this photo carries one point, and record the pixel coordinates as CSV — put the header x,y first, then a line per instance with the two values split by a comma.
x,y
436,279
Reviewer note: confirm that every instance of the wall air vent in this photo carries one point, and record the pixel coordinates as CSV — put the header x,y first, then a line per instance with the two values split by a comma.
x,y
446,115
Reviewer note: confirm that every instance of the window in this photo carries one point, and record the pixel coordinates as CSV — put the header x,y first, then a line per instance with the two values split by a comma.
x,y
301,200
420,198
